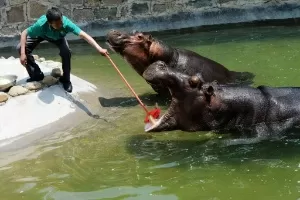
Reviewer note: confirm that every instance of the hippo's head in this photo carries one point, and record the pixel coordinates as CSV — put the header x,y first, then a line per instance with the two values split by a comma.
x,y
124,43
191,98
135,47
178,83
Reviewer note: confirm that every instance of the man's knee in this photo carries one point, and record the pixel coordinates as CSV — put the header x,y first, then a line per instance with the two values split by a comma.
x,y
65,52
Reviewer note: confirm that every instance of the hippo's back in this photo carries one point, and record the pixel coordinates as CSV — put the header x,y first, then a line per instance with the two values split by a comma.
x,y
284,102
190,63
288,95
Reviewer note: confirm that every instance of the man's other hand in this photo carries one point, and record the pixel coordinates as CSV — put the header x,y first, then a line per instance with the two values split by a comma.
x,y
23,59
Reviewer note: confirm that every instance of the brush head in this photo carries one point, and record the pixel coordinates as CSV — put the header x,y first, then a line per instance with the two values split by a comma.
x,y
155,113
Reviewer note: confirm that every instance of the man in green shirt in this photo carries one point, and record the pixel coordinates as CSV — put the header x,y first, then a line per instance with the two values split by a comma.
x,y
52,27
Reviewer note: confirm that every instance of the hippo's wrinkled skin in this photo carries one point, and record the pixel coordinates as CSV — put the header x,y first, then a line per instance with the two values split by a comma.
x,y
141,50
198,106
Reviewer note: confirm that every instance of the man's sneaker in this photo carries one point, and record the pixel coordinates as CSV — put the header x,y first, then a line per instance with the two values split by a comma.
x,y
40,77
67,85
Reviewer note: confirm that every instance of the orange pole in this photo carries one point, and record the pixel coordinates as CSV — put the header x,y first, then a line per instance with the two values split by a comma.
x,y
131,89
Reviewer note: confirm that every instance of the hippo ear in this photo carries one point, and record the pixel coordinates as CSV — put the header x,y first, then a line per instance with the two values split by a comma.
x,y
150,37
209,91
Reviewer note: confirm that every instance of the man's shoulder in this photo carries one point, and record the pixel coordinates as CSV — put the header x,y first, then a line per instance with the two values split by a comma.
x,y
68,22
42,20
66,19
70,26
37,28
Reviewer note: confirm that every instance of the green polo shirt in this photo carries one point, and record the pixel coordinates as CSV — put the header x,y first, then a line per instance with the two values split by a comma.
x,y
41,28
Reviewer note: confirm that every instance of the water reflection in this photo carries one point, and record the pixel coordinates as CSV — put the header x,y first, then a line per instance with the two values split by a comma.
x,y
26,187
125,193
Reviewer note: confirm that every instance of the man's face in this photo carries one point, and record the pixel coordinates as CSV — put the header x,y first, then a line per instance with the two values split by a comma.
x,y
56,24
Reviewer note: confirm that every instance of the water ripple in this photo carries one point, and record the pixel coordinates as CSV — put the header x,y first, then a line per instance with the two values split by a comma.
x,y
126,193
167,165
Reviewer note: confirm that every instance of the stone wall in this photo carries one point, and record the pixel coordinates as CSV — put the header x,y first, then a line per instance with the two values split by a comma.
x,y
98,16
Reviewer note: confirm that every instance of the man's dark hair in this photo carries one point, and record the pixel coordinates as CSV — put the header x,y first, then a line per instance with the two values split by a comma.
x,y
53,14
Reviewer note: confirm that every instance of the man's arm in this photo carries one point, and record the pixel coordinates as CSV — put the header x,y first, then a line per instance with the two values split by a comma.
x,y
72,27
23,41
32,31
92,42
23,57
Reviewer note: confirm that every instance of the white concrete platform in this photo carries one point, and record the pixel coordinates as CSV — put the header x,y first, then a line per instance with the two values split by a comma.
x,y
23,114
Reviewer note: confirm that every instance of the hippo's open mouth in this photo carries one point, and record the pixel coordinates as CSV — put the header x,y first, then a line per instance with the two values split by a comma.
x,y
111,47
114,46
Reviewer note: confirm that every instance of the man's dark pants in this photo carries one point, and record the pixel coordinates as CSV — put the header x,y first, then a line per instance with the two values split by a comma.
x,y
34,70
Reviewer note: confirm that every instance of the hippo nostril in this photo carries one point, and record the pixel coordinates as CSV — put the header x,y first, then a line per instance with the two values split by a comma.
x,y
162,67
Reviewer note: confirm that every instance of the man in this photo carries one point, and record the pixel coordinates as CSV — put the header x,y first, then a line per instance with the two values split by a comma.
x,y
52,27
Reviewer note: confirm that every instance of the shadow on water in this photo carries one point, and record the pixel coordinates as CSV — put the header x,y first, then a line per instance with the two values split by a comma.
x,y
197,152
148,99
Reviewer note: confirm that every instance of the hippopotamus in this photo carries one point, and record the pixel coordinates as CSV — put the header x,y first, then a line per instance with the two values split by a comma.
x,y
198,106
140,50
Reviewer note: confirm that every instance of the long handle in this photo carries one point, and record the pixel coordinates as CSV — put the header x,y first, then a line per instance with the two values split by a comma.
x,y
131,89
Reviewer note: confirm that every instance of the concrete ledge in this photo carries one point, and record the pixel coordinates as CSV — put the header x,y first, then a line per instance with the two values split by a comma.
x,y
288,13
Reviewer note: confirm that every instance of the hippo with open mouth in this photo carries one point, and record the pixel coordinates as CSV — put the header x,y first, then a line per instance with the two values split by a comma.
x,y
140,50
198,106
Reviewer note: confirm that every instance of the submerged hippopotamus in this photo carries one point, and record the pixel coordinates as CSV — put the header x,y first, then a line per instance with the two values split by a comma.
x,y
198,106
141,50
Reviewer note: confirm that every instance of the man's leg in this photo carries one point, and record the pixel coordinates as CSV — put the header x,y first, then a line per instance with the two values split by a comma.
x,y
65,54
32,68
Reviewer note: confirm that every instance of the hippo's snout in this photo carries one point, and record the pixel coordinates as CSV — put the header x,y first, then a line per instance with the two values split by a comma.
x,y
116,40
148,75
155,72
113,32
114,36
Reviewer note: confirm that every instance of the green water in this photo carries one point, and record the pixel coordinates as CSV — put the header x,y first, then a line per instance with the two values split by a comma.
x,y
117,160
